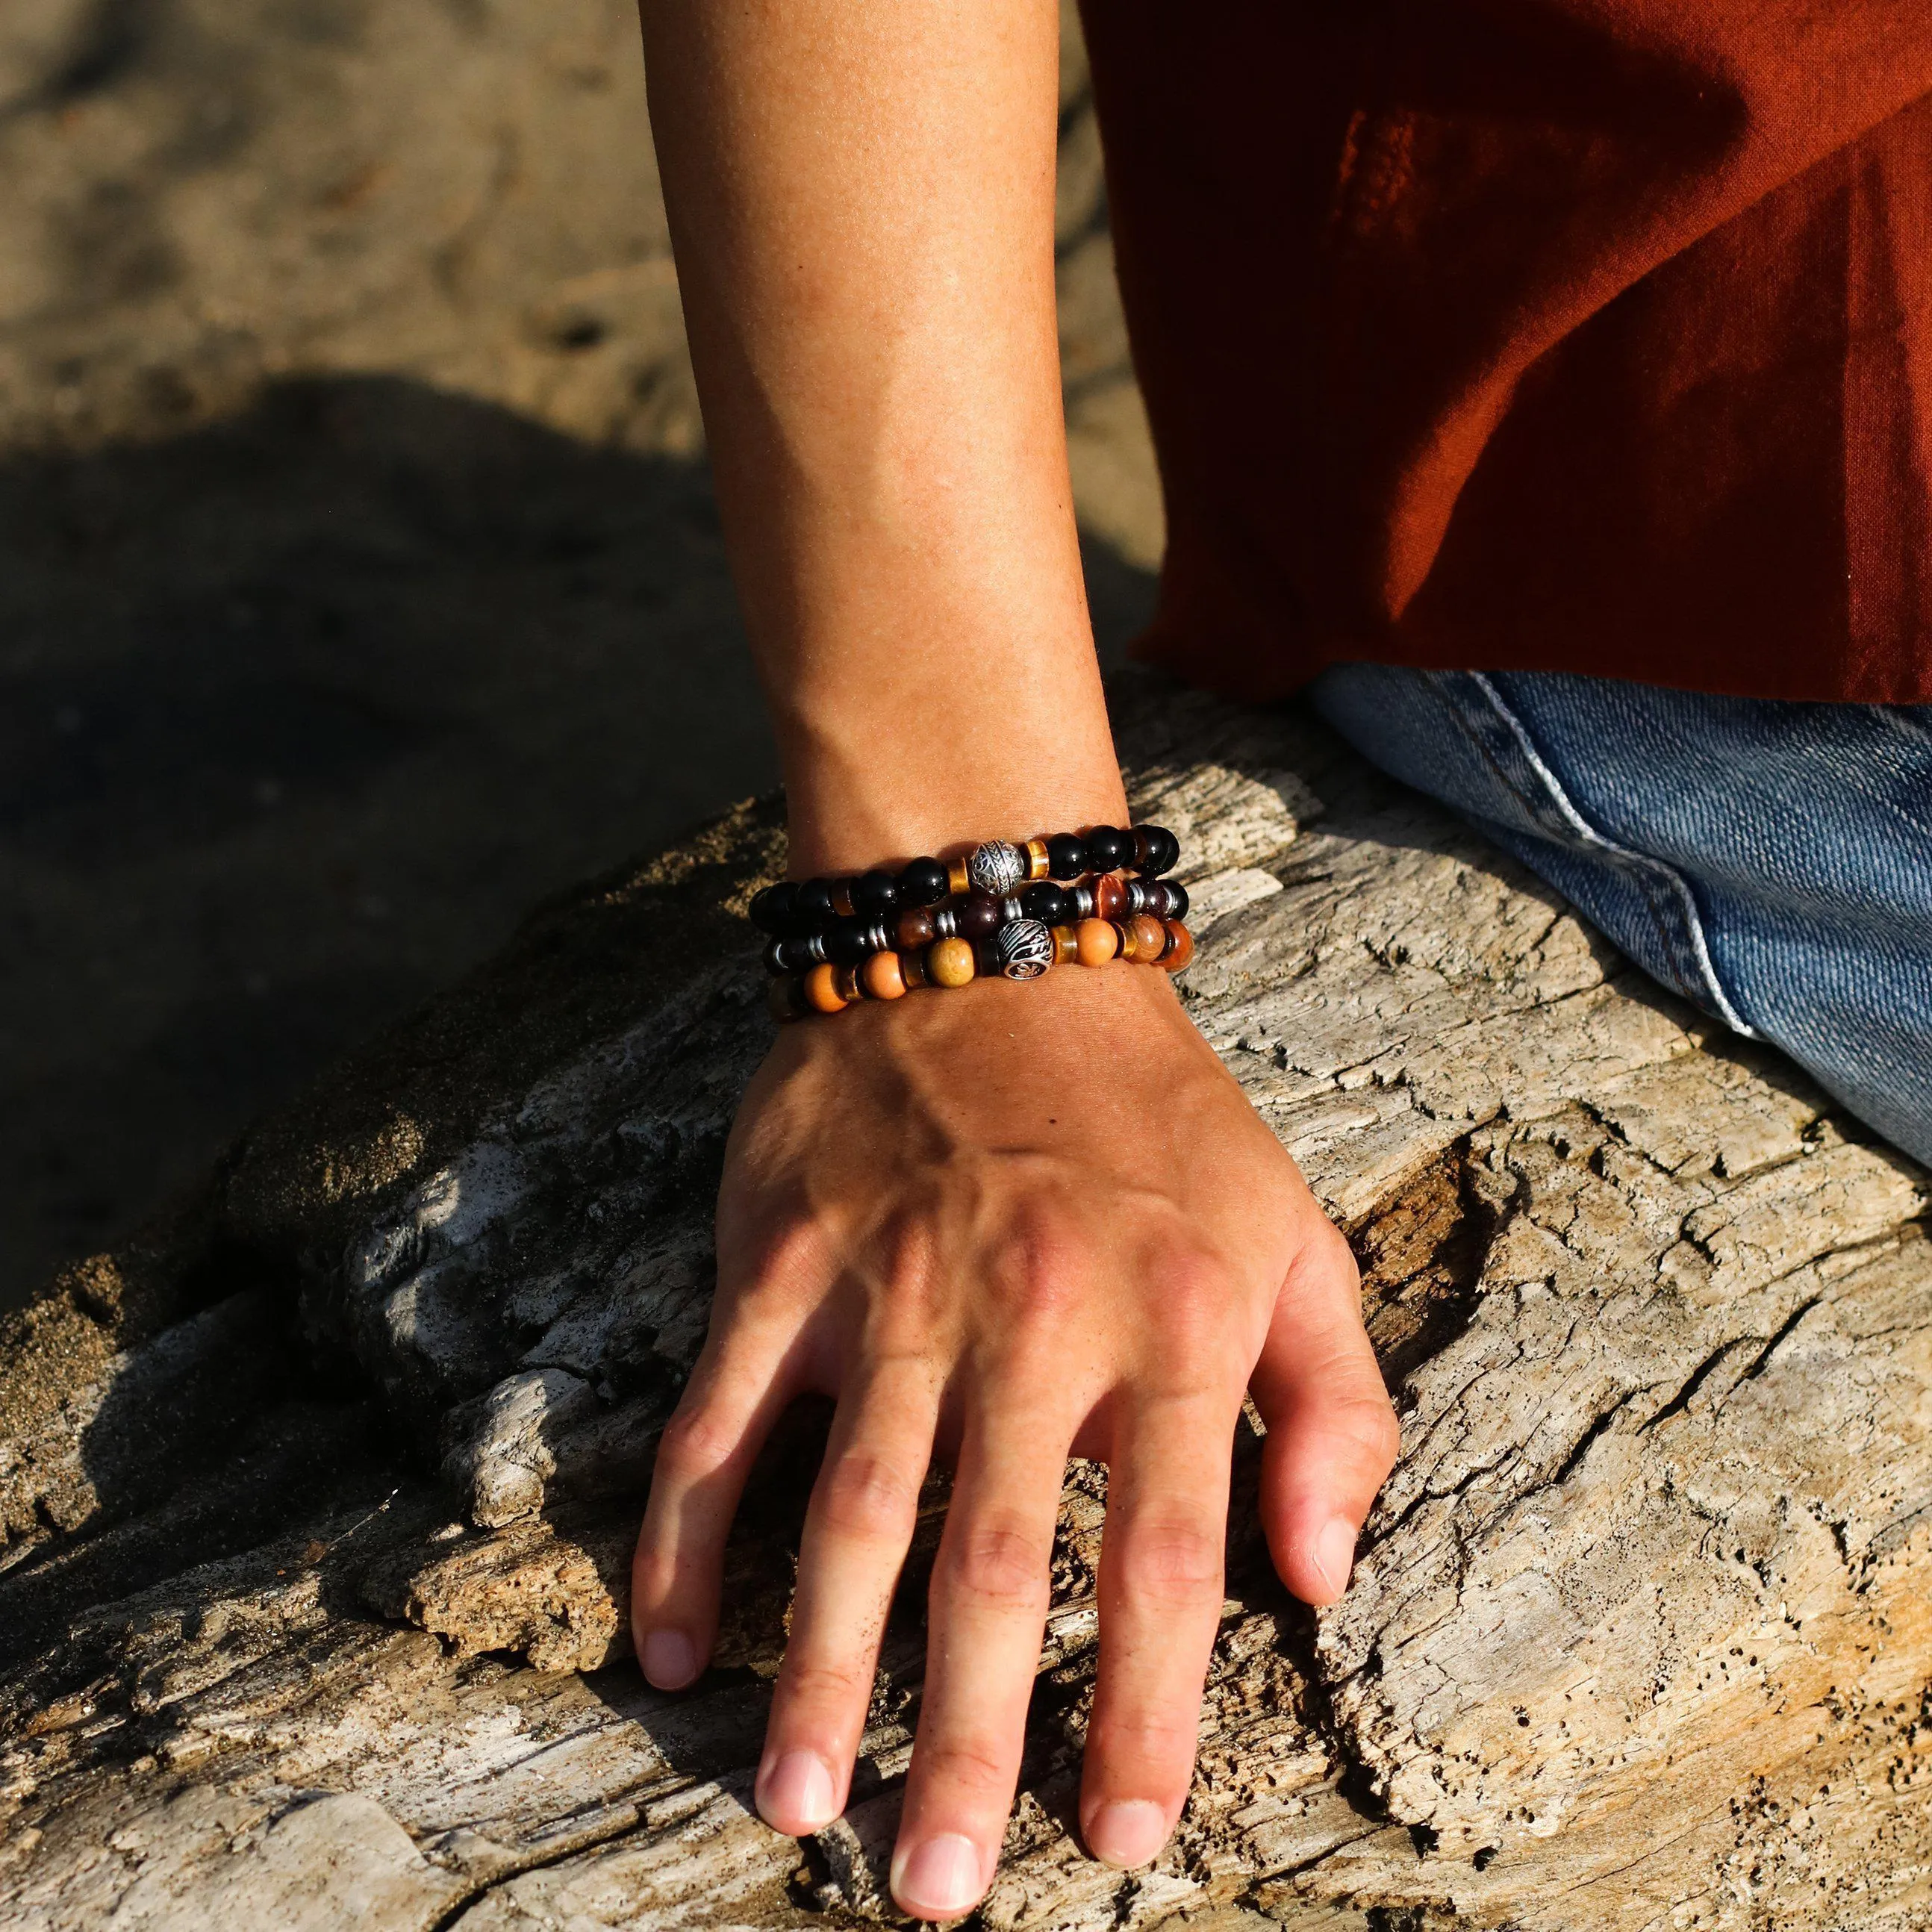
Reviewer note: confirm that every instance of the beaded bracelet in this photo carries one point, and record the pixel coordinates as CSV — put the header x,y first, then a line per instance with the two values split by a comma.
x,y
996,868
1021,950
851,942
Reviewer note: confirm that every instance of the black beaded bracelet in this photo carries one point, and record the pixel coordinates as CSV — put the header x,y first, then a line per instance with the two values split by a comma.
x,y
996,867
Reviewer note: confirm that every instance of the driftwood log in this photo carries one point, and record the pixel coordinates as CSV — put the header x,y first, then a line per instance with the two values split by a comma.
x,y
317,1498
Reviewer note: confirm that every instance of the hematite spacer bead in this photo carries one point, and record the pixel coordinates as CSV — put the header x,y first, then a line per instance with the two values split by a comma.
x,y
813,944
1107,849
1066,857
1080,903
1025,949
997,868
812,906
1177,900
976,916
923,882
777,958
1037,867
1045,902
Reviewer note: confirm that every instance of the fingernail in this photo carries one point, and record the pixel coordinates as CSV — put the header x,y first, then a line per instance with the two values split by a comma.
x,y
940,1879
669,1661
1130,1831
1335,1552
795,1796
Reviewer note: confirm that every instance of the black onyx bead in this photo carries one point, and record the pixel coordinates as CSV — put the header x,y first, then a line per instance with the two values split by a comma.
x,y
1163,850
1066,857
771,908
847,942
1045,902
874,894
1107,849
978,914
923,882
812,908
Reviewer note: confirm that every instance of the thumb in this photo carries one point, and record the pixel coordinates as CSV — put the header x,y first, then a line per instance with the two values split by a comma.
x,y
1332,1435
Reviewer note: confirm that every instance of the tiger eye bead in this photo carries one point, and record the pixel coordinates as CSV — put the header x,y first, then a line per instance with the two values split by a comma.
x,y
1097,941
1180,947
1110,896
914,927
951,962
1150,938
1066,946
958,879
881,977
821,990
912,970
841,897
1038,865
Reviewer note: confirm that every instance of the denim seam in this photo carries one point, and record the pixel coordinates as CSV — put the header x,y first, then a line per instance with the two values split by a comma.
x,y
1648,869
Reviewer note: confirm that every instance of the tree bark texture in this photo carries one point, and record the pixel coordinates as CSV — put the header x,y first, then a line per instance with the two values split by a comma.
x,y
318,1498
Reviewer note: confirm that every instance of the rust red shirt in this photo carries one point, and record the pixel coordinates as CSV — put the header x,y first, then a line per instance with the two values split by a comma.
x,y
1591,335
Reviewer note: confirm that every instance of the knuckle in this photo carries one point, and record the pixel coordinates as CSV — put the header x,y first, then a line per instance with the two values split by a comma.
x,y
865,1496
999,1563
695,1444
836,1683
1368,1421
970,1765
1042,1266
1181,1560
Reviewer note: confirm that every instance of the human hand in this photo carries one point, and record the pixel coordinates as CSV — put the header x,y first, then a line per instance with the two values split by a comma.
x,y
1010,1223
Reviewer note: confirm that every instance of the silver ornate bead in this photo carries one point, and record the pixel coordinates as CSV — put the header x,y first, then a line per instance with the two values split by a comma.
x,y
997,867
1024,949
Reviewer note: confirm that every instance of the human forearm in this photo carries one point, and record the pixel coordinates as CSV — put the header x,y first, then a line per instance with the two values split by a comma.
x,y
861,199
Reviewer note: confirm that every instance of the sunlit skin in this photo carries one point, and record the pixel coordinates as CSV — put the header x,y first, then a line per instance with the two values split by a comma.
x,y
1004,1224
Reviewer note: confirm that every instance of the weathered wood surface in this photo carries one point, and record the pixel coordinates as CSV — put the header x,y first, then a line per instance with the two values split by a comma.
x,y
317,1500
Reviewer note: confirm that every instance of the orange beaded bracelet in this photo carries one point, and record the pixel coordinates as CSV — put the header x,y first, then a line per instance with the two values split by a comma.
x,y
952,962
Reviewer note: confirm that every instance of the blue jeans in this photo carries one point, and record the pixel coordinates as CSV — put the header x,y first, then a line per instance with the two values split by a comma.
x,y
1771,862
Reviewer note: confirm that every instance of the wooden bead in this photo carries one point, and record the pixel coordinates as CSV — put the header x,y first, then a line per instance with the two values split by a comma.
x,y
950,962
1110,896
915,927
1097,941
912,970
1066,946
1179,946
881,977
958,879
1150,938
1037,863
821,989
